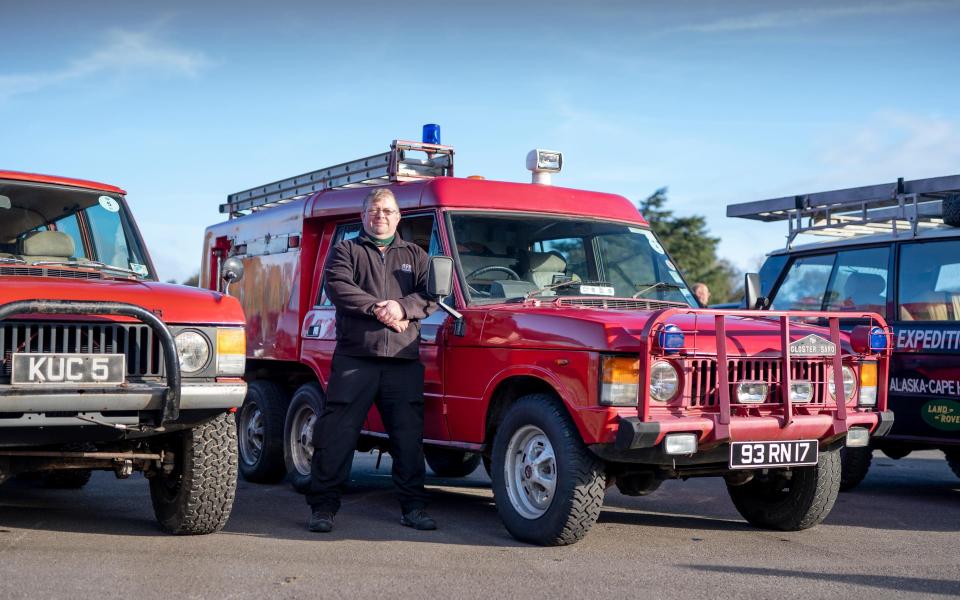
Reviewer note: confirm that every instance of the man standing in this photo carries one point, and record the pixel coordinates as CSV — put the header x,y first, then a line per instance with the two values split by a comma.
x,y
702,293
377,282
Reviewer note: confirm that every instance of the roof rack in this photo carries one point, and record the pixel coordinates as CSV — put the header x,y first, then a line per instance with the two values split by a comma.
x,y
901,208
379,169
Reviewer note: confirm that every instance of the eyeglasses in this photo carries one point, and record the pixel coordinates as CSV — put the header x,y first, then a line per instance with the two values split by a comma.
x,y
387,212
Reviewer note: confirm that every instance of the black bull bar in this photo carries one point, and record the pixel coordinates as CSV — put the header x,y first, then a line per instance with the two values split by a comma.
x,y
170,407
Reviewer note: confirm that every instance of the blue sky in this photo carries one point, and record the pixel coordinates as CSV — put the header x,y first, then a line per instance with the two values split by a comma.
x,y
182,103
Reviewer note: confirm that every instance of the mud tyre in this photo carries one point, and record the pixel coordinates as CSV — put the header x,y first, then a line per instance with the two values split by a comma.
x,y
306,406
445,462
854,464
953,459
260,432
548,486
951,210
196,496
790,500
66,479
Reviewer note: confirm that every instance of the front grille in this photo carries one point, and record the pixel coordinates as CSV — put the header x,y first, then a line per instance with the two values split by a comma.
x,y
703,390
616,303
137,341
20,271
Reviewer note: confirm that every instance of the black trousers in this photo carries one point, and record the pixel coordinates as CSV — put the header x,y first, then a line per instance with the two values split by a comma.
x,y
396,385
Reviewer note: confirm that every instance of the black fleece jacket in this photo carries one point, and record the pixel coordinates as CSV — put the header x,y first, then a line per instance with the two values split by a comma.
x,y
358,276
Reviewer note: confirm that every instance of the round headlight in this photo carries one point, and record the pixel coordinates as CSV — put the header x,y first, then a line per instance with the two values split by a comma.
x,y
849,382
193,350
664,381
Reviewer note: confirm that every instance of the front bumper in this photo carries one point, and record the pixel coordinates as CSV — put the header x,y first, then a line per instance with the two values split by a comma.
x,y
632,433
20,407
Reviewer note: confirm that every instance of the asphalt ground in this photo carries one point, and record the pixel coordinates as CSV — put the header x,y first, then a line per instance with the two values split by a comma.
x,y
895,536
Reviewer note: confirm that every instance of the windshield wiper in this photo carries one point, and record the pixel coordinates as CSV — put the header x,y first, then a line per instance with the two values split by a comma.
x,y
10,260
554,286
653,286
92,263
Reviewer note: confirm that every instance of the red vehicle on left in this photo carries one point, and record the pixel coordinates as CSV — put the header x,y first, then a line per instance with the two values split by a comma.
x,y
104,367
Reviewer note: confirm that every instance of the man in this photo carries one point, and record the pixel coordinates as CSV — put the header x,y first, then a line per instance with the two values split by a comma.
x,y
702,293
377,282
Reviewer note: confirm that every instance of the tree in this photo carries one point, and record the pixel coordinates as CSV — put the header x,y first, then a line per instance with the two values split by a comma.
x,y
692,248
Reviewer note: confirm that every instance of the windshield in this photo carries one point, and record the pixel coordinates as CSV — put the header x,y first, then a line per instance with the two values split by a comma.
x,y
511,257
52,225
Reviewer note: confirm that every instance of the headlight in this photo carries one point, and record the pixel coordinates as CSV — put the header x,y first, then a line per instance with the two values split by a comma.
x,y
752,392
193,350
231,351
849,382
664,381
619,380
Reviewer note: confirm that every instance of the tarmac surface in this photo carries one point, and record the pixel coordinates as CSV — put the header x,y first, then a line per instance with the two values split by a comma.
x,y
895,536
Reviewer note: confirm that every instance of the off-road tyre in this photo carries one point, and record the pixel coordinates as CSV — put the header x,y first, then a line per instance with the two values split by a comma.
x,y
66,479
951,210
306,406
197,496
854,464
446,462
260,432
579,476
790,501
953,459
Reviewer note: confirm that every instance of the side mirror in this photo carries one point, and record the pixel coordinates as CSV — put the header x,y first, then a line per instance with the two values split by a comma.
x,y
440,282
440,276
751,293
232,270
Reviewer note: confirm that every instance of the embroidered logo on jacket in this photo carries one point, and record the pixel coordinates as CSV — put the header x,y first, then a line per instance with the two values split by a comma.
x,y
406,268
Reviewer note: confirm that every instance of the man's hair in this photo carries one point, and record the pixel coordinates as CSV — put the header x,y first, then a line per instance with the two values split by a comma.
x,y
378,195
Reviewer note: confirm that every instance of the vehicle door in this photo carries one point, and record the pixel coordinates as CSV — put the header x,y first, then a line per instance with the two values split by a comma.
x,y
925,376
319,328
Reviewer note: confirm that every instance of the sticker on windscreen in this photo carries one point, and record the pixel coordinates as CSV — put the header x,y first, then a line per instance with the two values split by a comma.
x,y
652,240
109,204
675,276
138,269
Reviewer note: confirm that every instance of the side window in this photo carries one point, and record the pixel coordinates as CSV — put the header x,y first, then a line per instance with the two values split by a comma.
x,y
347,231
860,281
71,227
929,281
805,283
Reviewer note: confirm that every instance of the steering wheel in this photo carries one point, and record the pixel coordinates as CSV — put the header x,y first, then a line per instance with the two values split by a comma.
x,y
489,268
474,291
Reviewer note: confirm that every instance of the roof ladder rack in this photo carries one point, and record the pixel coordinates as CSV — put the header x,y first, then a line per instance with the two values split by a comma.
x,y
902,207
379,169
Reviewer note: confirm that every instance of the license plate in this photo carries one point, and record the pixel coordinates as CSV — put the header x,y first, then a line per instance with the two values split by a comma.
x,y
68,369
756,455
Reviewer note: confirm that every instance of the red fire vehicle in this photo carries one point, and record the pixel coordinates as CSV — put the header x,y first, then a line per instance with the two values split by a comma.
x,y
572,357
102,366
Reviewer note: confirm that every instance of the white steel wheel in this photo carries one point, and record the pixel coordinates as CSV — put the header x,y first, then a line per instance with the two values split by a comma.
x,y
299,431
302,423
530,472
251,434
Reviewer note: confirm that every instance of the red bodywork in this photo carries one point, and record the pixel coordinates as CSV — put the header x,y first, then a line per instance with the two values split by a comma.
x,y
530,345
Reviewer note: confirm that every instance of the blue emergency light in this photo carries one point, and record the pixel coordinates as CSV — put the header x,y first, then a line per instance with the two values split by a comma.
x,y
670,338
878,339
431,133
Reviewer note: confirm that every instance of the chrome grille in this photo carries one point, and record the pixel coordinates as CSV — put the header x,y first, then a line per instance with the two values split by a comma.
x,y
137,341
702,387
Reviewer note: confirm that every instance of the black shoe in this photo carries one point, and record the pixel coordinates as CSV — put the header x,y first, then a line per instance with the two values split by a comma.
x,y
320,521
418,519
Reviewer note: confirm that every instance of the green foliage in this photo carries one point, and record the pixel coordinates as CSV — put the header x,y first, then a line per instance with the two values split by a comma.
x,y
692,248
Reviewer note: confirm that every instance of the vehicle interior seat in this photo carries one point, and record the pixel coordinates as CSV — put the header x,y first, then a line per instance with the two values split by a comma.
x,y
543,267
864,291
47,245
